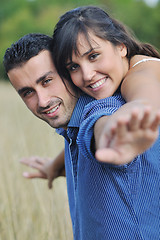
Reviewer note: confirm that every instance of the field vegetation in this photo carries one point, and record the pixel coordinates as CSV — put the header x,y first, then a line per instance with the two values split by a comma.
x,y
28,209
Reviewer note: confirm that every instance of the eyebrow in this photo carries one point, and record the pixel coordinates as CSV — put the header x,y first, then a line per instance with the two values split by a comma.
x,y
84,54
22,90
40,79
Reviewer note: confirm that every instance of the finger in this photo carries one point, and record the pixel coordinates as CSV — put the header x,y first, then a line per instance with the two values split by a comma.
x,y
145,121
32,163
156,122
30,160
42,161
107,156
134,121
113,131
103,141
121,127
27,161
33,175
49,184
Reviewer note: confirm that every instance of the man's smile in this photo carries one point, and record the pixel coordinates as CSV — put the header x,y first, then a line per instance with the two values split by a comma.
x,y
53,109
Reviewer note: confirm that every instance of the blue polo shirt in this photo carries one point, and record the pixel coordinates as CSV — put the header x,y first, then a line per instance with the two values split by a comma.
x,y
106,201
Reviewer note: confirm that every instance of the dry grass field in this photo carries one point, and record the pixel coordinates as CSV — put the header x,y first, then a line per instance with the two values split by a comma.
x,y
28,209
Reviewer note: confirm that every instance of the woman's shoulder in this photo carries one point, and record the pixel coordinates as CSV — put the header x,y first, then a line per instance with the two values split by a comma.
x,y
143,70
140,59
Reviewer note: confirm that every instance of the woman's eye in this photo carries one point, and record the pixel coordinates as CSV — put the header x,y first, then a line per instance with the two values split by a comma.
x,y
73,67
93,56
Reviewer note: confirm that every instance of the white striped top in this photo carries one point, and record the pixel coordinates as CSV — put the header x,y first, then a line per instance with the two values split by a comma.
x,y
145,60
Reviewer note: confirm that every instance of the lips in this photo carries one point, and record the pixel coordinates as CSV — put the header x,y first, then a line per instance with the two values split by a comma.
x,y
50,111
53,109
98,83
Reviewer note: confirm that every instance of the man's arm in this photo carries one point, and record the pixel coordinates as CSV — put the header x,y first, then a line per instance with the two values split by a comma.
x,y
47,168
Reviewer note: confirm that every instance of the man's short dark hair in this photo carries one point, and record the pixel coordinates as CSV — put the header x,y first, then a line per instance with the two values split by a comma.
x,y
25,48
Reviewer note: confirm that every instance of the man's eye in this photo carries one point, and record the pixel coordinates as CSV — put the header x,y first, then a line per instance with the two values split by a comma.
x,y
46,81
27,93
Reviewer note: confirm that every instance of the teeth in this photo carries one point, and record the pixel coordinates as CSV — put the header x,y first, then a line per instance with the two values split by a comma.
x,y
53,109
97,84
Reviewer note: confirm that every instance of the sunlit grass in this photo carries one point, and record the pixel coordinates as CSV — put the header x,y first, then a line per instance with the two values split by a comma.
x,y
28,209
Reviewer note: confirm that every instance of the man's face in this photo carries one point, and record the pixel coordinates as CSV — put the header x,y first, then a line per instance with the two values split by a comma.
x,y
43,91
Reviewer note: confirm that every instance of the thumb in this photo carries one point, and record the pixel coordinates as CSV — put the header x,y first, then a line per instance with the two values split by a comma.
x,y
50,183
106,155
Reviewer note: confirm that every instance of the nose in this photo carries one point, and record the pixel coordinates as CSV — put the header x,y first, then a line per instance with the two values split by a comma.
x,y
88,73
43,98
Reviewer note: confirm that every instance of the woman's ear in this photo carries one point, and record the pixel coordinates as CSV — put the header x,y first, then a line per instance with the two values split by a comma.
x,y
123,50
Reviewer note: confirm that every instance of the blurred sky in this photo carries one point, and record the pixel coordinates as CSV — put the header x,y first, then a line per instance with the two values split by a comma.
x,y
151,3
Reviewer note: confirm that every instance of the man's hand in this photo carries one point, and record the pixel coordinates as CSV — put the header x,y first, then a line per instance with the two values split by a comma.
x,y
46,168
129,136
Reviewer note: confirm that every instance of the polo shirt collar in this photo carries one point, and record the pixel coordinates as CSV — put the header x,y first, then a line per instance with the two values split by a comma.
x,y
78,110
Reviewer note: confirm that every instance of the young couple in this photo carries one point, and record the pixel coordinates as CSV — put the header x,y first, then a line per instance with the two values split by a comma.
x,y
112,151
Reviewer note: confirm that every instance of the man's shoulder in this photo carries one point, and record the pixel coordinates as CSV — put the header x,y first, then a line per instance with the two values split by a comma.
x,y
84,100
107,105
78,110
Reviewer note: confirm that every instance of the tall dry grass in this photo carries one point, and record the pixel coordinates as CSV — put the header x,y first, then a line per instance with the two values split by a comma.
x,y
28,209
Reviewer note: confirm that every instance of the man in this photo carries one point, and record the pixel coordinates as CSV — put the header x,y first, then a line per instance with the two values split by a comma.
x,y
102,199
30,59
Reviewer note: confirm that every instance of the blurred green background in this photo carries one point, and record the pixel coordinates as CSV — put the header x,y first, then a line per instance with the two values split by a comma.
x,y
19,17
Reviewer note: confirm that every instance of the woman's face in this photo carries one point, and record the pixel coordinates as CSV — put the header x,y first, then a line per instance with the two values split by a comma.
x,y
99,67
